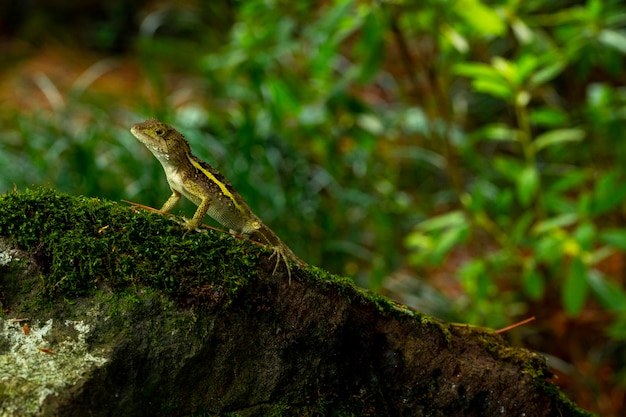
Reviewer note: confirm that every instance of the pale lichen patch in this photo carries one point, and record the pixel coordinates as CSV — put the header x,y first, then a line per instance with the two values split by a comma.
x,y
8,256
34,364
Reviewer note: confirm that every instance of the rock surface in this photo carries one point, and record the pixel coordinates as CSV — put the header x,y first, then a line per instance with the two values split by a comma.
x,y
127,318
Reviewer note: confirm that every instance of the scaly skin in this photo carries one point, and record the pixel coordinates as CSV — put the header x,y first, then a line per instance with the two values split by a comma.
x,y
206,187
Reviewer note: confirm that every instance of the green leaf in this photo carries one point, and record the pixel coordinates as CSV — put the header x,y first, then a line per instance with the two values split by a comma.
x,y
615,238
497,132
508,167
585,235
524,34
527,185
558,203
370,45
482,18
485,287
371,122
519,231
562,220
447,241
494,88
477,71
558,136
568,181
522,98
474,277
533,284
282,97
458,41
609,193
548,117
575,287
548,249
505,68
609,293
419,241
524,66
599,95
485,79
599,254
452,219
614,39
421,155
547,73
617,330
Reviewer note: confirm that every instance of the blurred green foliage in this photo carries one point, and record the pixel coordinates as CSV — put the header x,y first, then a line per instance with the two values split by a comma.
x,y
542,178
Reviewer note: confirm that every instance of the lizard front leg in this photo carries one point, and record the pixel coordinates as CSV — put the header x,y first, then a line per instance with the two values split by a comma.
x,y
196,221
171,202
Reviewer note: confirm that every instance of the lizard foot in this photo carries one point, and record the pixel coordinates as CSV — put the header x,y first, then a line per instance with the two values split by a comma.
x,y
280,256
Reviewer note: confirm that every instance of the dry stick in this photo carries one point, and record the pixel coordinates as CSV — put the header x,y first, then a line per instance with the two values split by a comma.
x,y
504,329
512,326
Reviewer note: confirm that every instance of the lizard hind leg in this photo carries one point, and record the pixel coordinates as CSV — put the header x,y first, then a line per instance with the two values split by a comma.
x,y
280,256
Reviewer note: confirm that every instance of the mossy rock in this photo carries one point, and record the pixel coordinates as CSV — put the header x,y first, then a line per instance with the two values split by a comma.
x,y
129,316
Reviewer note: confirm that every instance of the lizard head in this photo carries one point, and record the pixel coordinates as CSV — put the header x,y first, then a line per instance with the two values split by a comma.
x,y
166,143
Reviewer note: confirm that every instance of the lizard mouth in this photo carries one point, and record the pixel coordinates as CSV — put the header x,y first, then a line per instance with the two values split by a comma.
x,y
157,147
138,133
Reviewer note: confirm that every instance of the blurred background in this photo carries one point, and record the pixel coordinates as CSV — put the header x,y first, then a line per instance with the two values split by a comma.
x,y
466,158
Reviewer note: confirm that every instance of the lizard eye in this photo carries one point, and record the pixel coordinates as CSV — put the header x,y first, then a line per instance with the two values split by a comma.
x,y
159,131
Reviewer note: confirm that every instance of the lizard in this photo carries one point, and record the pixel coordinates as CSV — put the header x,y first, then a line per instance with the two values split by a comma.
x,y
207,188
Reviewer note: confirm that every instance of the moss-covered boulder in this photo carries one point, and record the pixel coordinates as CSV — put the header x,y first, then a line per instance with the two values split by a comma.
x,y
112,311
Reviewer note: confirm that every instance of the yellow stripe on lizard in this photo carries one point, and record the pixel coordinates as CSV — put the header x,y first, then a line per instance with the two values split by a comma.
x,y
220,184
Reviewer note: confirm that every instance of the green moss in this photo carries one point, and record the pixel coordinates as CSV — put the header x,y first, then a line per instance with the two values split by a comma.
x,y
85,243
